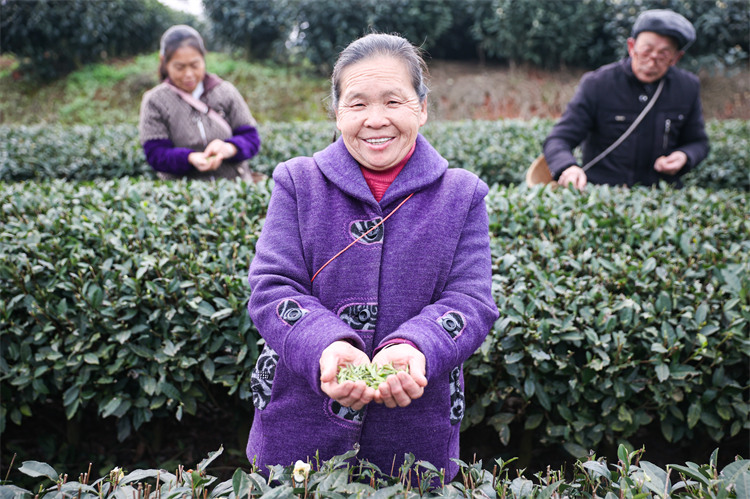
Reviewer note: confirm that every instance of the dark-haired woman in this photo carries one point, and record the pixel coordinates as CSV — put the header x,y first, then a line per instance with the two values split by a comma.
x,y
373,251
194,124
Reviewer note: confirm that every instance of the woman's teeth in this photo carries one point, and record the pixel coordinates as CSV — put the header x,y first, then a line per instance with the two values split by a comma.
x,y
377,141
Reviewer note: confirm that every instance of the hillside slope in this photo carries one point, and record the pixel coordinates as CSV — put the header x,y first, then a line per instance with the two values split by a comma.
x,y
111,93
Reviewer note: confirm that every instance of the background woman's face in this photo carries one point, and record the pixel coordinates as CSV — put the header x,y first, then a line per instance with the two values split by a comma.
x,y
379,113
186,68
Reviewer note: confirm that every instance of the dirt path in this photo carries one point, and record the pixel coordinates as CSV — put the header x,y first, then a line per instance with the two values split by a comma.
x,y
461,90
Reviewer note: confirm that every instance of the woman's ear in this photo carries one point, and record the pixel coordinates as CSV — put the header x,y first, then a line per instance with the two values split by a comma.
x,y
423,113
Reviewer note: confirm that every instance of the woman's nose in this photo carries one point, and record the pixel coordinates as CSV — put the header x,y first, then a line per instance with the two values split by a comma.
x,y
377,116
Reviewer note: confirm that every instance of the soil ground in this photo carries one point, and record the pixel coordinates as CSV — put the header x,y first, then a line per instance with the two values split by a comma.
x,y
469,90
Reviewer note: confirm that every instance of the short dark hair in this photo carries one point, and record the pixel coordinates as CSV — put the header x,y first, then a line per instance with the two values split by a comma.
x,y
376,44
176,37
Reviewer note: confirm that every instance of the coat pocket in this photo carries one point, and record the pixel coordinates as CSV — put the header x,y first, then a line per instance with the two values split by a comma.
x,y
458,400
668,129
261,379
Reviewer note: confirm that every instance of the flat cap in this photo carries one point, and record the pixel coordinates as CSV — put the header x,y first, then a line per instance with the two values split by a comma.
x,y
666,23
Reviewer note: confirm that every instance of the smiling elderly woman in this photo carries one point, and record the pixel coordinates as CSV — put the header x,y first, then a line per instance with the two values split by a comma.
x,y
373,251
194,124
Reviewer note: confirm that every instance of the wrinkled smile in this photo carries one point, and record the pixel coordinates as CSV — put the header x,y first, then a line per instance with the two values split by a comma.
x,y
378,141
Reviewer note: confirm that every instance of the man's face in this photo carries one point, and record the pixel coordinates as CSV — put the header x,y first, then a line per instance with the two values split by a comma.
x,y
651,55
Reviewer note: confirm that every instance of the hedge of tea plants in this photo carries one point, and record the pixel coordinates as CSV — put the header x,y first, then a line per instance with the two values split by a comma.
x,y
498,151
619,307
346,476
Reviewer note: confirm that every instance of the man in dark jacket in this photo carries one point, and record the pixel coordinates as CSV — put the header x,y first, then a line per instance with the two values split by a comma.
x,y
668,142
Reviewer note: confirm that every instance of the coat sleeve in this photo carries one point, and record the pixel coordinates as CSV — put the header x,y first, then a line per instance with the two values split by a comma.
x,y
239,113
571,129
290,319
450,329
153,130
247,141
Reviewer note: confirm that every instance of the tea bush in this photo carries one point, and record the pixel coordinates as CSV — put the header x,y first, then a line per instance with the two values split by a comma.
x,y
126,295
498,151
75,153
618,307
345,476
51,38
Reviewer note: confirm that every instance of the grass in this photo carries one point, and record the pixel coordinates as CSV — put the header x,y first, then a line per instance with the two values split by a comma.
x,y
110,93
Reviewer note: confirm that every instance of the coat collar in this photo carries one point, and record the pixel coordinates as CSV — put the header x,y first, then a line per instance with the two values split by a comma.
x,y
425,167
210,81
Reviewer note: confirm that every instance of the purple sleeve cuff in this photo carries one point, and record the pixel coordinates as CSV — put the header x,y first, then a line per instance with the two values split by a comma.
x,y
247,141
164,157
395,341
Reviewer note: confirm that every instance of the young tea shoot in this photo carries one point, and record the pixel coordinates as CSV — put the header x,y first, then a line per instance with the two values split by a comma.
x,y
371,374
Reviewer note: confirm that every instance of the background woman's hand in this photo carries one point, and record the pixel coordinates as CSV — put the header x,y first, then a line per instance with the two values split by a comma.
x,y
400,389
354,394
199,161
217,151
212,157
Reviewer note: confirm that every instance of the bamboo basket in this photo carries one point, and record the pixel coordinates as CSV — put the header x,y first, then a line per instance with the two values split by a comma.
x,y
538,173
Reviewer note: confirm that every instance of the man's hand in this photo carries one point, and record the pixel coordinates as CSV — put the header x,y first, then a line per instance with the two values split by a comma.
x,y
401,388
573,175
354,394
671,164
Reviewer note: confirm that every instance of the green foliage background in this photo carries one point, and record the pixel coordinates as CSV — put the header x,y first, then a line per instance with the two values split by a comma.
x,y
124,296
498,151
620,307
50,38
550,33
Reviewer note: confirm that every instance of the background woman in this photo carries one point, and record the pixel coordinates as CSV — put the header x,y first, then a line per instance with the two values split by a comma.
x,y
194,124
411,288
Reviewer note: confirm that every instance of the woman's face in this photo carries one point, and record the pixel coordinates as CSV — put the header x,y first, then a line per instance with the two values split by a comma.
x,y
186,68
379,113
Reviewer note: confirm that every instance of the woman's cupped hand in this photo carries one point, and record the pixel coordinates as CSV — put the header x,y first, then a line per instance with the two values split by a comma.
x,y
398,390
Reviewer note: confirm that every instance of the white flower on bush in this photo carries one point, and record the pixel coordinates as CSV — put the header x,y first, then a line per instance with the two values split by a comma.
x,y
116,475
301,470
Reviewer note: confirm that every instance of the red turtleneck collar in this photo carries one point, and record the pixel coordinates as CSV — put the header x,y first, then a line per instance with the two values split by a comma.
x,y
379,181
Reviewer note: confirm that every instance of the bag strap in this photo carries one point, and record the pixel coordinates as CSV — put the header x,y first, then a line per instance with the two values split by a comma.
x,y
201,107
627,133
360,237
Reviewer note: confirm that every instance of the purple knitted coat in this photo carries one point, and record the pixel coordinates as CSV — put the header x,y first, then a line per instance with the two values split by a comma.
x,y
424,276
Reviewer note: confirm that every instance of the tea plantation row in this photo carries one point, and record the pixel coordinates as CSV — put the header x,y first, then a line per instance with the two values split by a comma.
x,y
346,477
498,151
618,307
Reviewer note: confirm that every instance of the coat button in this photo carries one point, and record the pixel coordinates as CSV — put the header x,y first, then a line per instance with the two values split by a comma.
x,y
643,98
293,315
450,324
